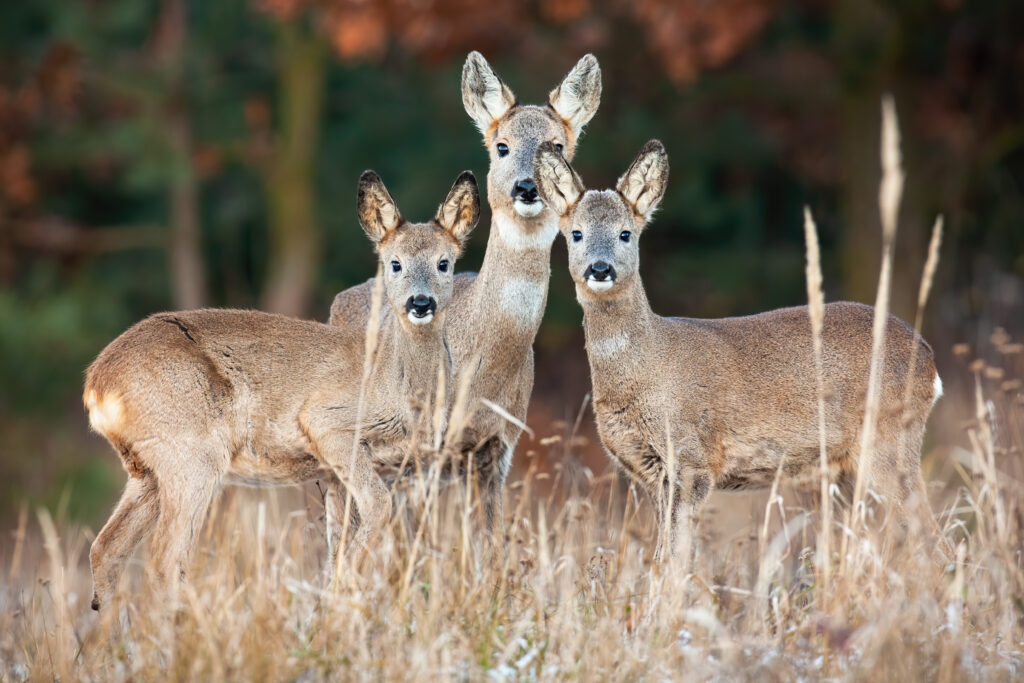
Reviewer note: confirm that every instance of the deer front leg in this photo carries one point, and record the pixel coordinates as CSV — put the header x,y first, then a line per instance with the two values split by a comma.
x,y
678,509
339,529
355,472
491,482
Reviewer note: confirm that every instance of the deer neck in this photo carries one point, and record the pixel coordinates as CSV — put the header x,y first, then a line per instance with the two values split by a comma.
x,y
618,332
416,355
511,288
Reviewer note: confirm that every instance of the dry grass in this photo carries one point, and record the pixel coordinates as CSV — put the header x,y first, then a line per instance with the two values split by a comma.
x,y
576,597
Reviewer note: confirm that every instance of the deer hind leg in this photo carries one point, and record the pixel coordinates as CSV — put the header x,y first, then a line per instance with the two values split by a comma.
x,y
133,518
896,475
917,508
185,500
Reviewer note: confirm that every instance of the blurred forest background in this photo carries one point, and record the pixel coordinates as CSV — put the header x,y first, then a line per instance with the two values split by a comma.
x,y
160,154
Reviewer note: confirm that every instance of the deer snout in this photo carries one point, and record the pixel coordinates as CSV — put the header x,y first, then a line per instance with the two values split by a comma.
x,y
525,191
420,309
600,276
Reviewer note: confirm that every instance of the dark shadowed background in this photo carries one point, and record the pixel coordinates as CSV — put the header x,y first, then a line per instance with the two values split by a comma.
x,y
180,153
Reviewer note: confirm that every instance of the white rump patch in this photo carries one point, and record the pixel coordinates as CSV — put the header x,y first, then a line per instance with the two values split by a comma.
x,y
106,413
938,388
515,235
609,346
420,321
523,300
600,285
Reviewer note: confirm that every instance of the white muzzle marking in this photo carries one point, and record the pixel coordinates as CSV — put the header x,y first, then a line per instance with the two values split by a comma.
x,y
415,320
600,285
528,209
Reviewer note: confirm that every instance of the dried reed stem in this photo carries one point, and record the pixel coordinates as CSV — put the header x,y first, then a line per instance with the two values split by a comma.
x,y
930,266
889,193
816,311
369,355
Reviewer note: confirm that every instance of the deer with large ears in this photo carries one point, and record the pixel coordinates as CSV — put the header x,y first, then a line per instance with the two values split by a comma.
x,y
497,312
686,405
195,400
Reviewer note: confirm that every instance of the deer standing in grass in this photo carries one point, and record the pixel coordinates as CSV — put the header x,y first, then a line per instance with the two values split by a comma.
x,y
495,314
198,399
733,397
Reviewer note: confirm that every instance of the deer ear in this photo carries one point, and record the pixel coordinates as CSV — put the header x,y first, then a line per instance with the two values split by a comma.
x,y
557,183
377,211
643,185
484,95
577,97
460,211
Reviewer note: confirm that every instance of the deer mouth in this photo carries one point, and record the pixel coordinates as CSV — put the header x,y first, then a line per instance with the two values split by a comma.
x,y
420,318
420,309
528,209
600,276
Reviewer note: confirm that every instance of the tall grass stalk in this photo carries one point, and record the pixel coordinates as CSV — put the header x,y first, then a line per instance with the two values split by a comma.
x,y
369,356
816,311
889,194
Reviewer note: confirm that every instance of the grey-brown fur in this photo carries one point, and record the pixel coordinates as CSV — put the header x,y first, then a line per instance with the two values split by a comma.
x,y
195,400
733,396
496,314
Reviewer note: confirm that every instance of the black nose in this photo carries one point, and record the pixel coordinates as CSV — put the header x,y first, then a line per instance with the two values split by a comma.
x,y
600,271
525,190
420,305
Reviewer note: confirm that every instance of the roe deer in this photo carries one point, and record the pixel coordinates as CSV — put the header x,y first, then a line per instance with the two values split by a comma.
x,y
496,313
198,399
735,396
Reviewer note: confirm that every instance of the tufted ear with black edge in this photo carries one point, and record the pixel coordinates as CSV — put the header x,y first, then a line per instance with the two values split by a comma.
x,y
378,213
484,95
643,184
557,183
460,211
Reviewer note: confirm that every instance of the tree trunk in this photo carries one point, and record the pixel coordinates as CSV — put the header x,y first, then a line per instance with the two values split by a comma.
x,y
294,233
188,273
866,23
187,267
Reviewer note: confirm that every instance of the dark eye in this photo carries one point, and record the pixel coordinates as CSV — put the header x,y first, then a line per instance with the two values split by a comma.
x,y
396,267
558,146
577,235
502,149
443,266
624,235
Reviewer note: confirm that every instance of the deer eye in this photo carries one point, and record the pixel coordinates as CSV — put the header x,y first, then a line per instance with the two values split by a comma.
x,y
502,149
443,266
558,146
396,267
624,235
577,235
